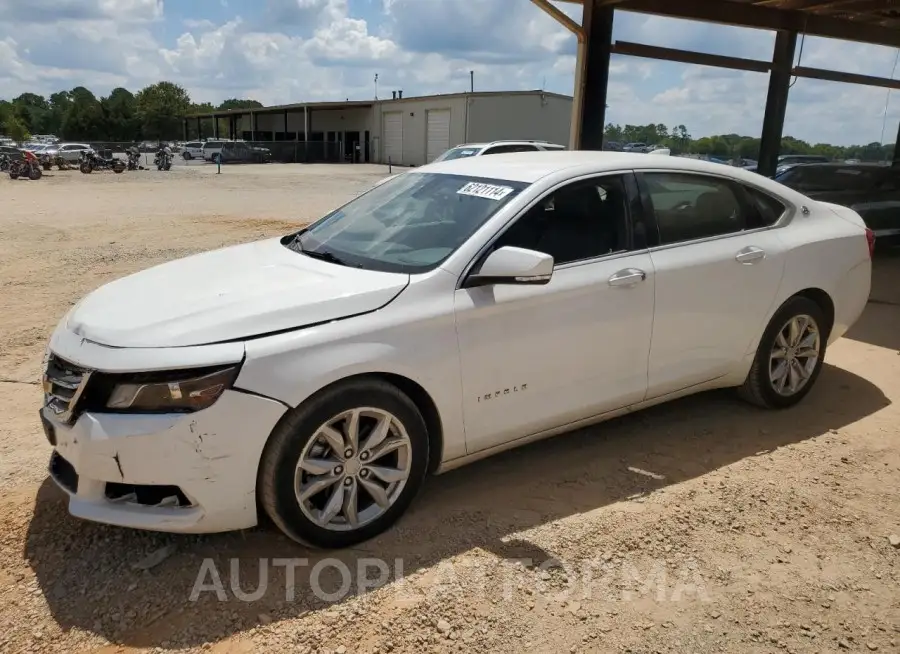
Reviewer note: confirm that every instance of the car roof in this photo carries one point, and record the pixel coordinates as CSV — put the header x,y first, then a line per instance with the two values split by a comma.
x,y
531,166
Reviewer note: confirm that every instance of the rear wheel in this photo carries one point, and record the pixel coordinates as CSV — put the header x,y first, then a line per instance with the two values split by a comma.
x,y
86,167
345,466
789,357
187,156
35,172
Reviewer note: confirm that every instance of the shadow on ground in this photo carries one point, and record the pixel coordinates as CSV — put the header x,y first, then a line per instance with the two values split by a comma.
x,y
880,323
85,574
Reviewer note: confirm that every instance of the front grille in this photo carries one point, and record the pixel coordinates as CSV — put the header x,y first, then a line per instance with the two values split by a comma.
x,y
63,472
63,384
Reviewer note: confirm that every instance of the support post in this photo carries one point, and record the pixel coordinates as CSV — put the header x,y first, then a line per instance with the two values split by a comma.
x,y
285,125
589,113
252,126
215,127
776,102
895,162
184,129
199,128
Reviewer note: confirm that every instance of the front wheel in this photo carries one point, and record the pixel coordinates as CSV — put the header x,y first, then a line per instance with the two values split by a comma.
x,y
86,167
13,175
789,357
186,156
35,172
118,167
343,467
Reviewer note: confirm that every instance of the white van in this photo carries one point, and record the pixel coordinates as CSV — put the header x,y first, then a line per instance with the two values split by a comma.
x,y
192,150
212,148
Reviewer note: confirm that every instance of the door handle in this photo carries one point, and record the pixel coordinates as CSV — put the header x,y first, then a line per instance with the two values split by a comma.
x,y
627,277
750,255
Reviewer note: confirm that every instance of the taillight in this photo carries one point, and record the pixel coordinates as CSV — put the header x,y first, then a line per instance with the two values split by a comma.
x,y
870,237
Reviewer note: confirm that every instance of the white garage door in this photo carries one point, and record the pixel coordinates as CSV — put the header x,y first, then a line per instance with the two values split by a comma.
x,y
438,133
393,137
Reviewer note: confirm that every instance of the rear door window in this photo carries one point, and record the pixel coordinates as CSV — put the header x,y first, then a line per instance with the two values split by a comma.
x,y
688,207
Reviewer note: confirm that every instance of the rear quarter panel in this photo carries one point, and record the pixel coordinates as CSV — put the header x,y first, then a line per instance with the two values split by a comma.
x,y
828,251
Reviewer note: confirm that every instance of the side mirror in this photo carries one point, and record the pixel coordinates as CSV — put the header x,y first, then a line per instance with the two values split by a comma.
x,y
511,265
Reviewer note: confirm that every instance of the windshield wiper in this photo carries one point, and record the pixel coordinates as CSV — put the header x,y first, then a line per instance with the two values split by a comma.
x,y
324,256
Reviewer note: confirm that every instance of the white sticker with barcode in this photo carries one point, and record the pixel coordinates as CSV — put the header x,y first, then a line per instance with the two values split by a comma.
x,y
487,191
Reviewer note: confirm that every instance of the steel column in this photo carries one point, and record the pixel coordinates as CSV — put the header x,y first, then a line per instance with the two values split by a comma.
x,y
776,102
896,159
591,112
215,126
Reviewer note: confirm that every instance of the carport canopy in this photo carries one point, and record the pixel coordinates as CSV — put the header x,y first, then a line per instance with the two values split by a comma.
x,y
875,22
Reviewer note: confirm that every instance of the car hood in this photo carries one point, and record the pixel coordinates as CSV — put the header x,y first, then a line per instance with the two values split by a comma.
x,y
228,294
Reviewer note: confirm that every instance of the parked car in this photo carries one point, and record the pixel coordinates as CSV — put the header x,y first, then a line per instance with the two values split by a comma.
x,y
612,146
212,148
496,147
241,152
871,190
69,152
785,161
635,147
451,312
192,150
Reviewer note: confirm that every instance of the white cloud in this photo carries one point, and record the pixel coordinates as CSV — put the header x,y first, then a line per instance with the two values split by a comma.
x,y
294,50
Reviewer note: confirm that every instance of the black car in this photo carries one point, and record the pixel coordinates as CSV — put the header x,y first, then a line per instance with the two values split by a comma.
x,y
872,190
240,152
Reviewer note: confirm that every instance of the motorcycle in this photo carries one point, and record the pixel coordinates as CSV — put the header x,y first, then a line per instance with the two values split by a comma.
x,y
162,160
4,163
47,162
134,160
28,166
91,161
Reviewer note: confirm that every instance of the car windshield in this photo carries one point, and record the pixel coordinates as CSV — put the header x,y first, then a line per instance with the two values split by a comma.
x,y
458,153
409,224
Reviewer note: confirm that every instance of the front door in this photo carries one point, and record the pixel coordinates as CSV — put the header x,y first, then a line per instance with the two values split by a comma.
x,y
718,269
538,357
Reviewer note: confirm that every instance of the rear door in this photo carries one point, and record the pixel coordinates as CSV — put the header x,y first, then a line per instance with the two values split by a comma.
x,y
718,266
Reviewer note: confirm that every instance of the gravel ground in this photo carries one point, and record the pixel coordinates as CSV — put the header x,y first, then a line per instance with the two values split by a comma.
x,y
700,526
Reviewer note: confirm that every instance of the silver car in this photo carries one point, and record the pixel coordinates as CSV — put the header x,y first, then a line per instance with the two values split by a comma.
x,y
70,152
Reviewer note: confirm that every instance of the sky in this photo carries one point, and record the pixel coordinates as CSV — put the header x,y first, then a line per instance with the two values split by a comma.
x,y
284,51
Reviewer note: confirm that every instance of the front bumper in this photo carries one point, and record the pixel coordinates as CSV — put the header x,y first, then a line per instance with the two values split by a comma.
x,y
210,456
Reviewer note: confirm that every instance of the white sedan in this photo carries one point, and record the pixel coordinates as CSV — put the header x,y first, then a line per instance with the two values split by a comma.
x,y
452,312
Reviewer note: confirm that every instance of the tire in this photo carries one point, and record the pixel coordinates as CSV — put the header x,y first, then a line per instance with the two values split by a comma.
x,y
759,388
186,156
47,166
118,168
86,167
295,437
14,175
35,173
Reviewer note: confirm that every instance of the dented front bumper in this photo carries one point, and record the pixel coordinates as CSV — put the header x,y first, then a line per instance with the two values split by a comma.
x,y
187,473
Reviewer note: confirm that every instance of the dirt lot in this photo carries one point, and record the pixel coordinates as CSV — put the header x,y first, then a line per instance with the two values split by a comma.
x,y
700,526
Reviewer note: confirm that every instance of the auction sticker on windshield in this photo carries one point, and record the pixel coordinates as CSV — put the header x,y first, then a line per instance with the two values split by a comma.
x,y
487,191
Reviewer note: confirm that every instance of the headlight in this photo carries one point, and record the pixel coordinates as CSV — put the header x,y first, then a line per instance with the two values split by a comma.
x,y
186,390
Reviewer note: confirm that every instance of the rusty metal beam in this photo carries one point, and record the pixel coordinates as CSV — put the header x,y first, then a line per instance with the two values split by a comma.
x,y
560,17
688,57
742,14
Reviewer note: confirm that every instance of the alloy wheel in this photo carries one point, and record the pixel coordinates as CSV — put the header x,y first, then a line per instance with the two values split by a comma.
x,y
353,469
794,355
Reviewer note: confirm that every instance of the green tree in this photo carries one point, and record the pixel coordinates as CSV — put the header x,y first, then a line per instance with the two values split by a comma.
x,y
84,119
235,103
160,108
33,111
10,125
120,112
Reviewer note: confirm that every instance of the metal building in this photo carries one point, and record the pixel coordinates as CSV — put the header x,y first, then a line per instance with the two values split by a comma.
x,y
408,131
